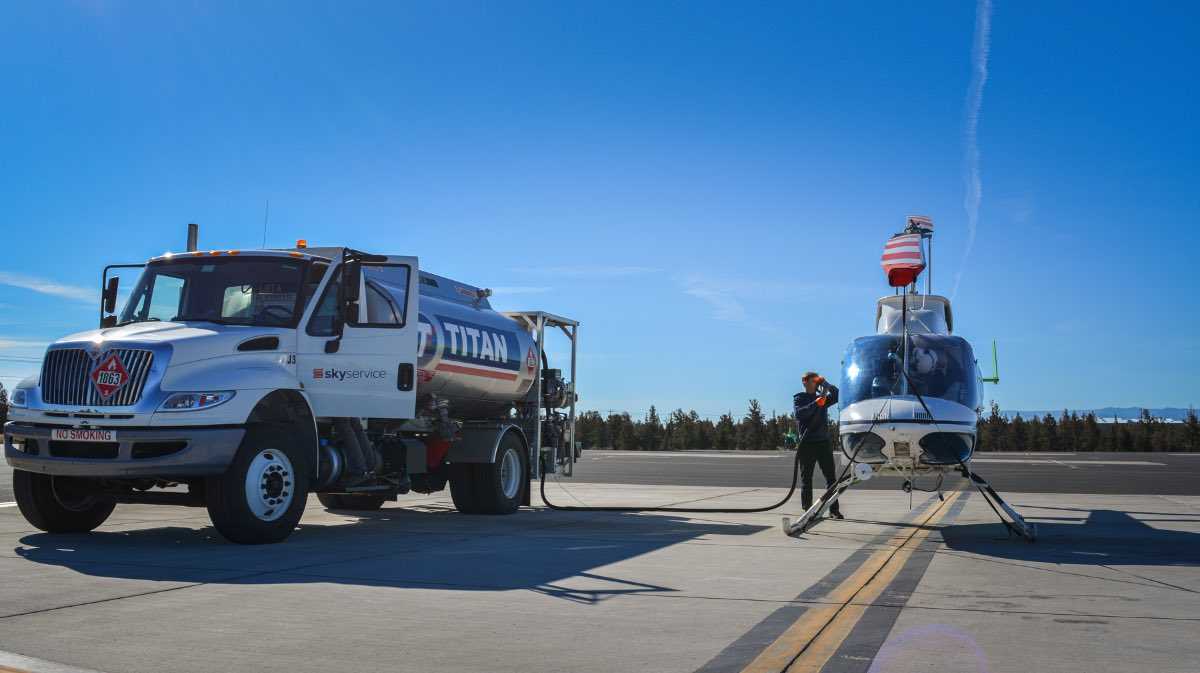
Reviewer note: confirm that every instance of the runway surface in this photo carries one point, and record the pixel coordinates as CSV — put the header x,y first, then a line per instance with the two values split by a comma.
x,y
1100,473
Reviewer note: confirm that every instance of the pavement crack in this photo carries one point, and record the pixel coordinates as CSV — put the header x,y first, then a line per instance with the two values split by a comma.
x,y
99,601
1150,579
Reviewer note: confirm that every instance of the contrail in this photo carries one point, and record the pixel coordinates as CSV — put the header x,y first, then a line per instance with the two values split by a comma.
x,y
974,185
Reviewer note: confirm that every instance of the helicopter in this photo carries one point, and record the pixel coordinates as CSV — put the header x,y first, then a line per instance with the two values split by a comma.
x,y
911,393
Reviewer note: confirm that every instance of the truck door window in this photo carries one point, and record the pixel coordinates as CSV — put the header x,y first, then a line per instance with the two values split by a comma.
x,y
322,322
386,291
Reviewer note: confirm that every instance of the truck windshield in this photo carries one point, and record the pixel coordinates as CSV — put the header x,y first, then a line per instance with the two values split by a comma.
x,y
262,291
939,366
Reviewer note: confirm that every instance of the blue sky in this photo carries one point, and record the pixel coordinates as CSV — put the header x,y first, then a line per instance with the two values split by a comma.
x,y
706,186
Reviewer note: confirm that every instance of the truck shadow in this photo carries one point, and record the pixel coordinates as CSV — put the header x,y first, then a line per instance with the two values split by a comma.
x,y
1102,537
558,554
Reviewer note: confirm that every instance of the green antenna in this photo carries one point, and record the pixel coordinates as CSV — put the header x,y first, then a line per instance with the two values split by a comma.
x,y
995,377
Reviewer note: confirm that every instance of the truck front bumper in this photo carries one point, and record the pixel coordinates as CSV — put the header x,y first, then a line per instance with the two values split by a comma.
x,y
176,452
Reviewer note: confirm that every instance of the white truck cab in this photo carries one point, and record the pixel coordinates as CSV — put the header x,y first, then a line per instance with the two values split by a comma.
x,y
241,380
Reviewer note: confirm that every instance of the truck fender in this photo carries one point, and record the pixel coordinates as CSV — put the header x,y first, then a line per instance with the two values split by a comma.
x,y
479,443
290,407
236,372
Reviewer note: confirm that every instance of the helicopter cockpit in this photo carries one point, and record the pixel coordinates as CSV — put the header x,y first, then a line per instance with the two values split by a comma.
x,y
939,365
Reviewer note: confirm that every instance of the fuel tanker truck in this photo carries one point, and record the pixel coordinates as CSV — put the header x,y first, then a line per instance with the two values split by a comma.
x,y
242,381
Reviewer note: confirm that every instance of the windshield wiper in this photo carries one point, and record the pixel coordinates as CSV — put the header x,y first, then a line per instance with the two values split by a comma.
x,y
196,318
130,322
218,321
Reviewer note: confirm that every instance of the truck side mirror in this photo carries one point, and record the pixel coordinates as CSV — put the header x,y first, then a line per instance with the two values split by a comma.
x,y
109,298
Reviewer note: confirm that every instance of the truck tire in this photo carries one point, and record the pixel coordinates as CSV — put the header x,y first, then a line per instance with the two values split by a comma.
x,y
356,503
58,504
261,497
497,487
462,488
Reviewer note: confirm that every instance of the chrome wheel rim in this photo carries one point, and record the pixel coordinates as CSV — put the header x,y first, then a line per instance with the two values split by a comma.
x,y
510,473
269,485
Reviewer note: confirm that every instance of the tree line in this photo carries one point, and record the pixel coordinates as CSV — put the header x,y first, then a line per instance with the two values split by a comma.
x,y
686,430
1071,432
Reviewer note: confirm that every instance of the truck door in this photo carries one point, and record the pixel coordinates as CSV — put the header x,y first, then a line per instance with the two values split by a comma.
x,y
365,367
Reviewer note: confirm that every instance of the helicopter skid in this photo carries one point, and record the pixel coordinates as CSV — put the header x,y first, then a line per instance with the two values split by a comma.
x,y
814,514
1015,523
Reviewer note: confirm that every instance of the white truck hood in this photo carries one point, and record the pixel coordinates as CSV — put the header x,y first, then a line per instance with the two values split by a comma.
x,y
190,341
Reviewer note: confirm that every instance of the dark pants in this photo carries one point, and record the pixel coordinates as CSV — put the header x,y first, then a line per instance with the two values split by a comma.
x,y
812,453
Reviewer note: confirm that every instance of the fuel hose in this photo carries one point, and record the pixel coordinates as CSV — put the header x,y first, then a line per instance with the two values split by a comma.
x,y
709,510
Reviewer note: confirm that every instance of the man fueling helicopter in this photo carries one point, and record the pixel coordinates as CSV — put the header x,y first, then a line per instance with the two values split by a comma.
x,y
812,422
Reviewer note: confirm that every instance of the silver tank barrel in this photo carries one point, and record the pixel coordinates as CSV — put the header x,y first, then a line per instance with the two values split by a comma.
x,y
476,359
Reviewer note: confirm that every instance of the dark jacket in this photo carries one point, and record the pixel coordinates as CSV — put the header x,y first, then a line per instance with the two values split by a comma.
x,y
811,416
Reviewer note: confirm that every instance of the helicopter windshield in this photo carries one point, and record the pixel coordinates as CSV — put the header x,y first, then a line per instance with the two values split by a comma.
x,y
939,366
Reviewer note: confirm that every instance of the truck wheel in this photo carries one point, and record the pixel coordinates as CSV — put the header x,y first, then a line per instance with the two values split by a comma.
x,y
261,497
357,503
59,504
500,485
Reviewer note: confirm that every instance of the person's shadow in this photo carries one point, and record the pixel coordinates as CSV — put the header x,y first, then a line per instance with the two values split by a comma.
x,y
555,553
1094,537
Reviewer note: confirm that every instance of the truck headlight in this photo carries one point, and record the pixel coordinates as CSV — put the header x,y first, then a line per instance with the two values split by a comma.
x,y
20,397
195,401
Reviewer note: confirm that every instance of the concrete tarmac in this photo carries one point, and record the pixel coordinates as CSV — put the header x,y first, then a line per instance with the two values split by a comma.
x,y
1112,584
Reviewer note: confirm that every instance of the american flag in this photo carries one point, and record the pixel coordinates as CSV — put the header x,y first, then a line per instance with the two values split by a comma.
x,y
921,223
903,259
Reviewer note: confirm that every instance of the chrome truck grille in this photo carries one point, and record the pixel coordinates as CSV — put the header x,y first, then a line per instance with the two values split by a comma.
x,y
66,378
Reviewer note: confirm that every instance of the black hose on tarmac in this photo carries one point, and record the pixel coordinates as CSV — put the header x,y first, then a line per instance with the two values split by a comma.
x,y
691,510
710,510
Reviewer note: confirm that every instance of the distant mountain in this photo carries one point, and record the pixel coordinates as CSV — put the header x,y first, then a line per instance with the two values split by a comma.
x,y
1108,413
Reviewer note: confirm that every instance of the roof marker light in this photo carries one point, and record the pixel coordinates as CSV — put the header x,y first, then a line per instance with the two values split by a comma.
x,y
301,243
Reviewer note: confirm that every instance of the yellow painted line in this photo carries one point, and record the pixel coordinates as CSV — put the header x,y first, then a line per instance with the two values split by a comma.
x,y
809,642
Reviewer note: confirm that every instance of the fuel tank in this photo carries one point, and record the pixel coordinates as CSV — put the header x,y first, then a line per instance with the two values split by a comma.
x,y
474,358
